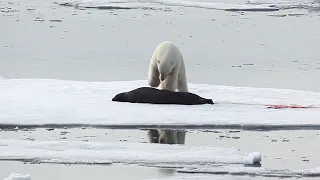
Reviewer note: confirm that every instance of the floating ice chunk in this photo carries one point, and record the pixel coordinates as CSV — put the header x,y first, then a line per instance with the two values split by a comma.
x,y
252,158
14,176
117,152
39,102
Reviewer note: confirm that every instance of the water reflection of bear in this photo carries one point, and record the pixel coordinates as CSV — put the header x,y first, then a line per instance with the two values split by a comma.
x,y
167,136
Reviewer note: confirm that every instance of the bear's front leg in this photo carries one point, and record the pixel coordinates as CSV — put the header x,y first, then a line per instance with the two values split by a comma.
x,y
153,74
182,78
170,83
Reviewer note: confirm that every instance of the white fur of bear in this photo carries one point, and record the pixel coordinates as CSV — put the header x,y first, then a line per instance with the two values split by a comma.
x,y
167,71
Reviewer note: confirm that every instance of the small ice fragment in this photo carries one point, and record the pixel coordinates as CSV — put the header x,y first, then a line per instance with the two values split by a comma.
x,y
252,158
14,176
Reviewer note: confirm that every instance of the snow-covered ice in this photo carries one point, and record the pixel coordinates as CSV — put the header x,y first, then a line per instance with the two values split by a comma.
x,y
41,102
116,152
16,176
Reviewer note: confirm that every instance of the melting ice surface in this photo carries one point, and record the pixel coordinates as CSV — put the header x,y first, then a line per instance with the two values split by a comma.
x,y
119,152
38,102
132,4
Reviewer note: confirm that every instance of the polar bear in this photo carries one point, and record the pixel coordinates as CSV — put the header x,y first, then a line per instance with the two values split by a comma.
x,y
167,71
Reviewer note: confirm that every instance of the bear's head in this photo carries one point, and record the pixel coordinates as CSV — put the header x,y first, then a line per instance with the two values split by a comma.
x,y
165,67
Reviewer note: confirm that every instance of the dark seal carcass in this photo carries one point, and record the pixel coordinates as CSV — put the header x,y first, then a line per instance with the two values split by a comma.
x,y
156,96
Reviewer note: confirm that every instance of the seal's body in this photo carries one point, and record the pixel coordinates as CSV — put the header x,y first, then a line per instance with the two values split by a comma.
x,y
156,96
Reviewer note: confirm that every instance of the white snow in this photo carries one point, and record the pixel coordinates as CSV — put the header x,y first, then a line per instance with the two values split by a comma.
x,y
253,171
156,3
115,152
15,176
252,158
60,102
